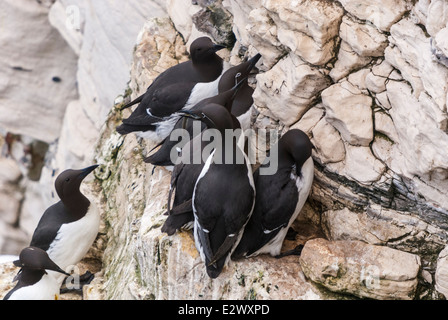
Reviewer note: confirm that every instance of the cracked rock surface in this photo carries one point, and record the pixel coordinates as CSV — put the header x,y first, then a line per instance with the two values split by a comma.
x,y
368,82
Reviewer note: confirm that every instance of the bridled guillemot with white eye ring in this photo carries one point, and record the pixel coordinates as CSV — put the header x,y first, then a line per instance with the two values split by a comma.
x,y
165,155
234,93
242,103
189,166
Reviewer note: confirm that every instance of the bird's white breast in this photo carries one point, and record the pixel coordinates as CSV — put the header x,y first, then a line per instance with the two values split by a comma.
x,y
201,91
74,239
46,288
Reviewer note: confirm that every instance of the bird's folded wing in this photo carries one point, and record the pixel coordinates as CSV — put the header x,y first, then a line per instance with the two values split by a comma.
x,y
204,239
223,249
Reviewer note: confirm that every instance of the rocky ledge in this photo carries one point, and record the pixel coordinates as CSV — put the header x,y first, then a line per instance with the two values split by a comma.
x,y
368,83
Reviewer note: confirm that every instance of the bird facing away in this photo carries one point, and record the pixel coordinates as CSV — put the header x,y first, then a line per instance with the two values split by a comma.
x,y
34,283
280,196
68,228
165,155
223,195
179,87
186,171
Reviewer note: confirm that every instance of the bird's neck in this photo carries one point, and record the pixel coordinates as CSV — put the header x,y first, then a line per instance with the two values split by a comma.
x,y
210,69
77,205
285,161
29,277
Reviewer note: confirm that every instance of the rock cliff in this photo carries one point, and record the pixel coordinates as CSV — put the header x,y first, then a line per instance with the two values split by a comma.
x,y
367,82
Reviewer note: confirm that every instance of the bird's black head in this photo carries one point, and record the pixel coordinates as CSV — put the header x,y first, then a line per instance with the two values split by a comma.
x,y
68,181
294,146
203,49
237,73
34,258
213,115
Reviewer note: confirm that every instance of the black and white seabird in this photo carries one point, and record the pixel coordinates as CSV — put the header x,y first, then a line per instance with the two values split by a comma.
x,y
186,171
234,93
165,156
68,228
179,87
242,103
280,196
223,196
34,283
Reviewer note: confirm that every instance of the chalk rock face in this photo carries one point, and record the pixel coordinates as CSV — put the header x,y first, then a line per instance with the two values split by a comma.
x,y
308,28
38,71
349,111
289,88
365,39
11,238
109,31
159,48
394,229
436,16
382,14
7,274
361,269
328,142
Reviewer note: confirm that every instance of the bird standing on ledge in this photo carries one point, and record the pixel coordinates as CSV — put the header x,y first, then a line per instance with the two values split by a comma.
x,y
280,196
68,228
224,194
179,87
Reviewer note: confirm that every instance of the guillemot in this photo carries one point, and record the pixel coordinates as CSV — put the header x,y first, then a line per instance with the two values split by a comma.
x,y
68,228
166,155
224,194
34,283
242,103
179,87
280,196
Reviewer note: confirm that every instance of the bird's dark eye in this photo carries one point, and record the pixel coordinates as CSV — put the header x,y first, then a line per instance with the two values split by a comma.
x,y
67,180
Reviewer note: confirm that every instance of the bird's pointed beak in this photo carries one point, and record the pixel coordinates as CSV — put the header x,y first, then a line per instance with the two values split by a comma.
x,y
50,265
189,114
61,271
86,171
17,263
253,61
